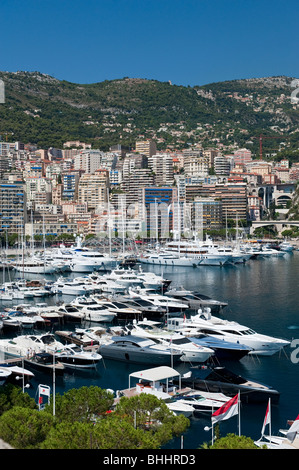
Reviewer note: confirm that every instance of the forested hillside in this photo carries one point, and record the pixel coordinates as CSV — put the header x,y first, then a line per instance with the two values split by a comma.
x,y
43,110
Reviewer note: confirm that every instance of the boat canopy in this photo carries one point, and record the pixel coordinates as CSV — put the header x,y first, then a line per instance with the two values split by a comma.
x,y
155,374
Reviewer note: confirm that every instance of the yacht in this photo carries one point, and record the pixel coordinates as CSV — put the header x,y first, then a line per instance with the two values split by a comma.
x,y
106,285
203,401
236,333
27,345
204,253
125,277
167,259
285,246
82,259
74,357
71,287
32,265
223,350
196,300
170,305
145,308
120,309
138,350
271,252
92,310
71,312
190,352
153,281
219,379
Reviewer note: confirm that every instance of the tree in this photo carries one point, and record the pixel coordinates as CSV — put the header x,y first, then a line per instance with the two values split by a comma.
x,y
11,396
24,428
232,441
84,404
150,413
111,432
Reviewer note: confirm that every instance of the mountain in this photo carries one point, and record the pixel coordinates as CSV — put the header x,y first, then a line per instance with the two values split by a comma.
x,y
46,111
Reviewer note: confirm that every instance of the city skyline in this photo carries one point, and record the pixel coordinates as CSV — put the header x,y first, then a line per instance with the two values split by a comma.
x,y
190,43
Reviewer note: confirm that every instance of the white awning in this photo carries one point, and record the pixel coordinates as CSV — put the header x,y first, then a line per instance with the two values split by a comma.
x,y
154,374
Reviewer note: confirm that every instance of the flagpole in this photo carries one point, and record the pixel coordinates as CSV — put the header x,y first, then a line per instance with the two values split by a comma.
x,y
270,432
239,405
212,426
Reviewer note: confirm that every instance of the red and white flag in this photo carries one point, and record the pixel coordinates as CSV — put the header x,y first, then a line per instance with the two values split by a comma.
x,y
226,411
267,418
294,429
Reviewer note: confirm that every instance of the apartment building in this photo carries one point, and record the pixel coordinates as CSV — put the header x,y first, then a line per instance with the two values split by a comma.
x,y
158,204
162,166
195,163
37,185
146,147
89,160
93,189
12,207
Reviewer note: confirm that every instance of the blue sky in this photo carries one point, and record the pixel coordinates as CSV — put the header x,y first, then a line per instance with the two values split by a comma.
x,y
189,42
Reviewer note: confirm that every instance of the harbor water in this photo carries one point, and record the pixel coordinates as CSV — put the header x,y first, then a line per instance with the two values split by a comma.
x,y
262,294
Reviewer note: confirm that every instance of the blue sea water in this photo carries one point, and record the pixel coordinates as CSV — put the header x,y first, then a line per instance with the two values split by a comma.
x,y
262,294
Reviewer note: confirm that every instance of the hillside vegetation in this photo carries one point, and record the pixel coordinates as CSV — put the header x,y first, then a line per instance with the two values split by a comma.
x,y
40,109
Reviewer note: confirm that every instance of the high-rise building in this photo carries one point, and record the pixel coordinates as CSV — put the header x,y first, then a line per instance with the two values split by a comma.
x,y
13,214
162,166
146,147
158,205
93,189
89,160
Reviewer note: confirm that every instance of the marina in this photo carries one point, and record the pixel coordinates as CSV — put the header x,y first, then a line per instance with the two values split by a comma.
x,y
261,294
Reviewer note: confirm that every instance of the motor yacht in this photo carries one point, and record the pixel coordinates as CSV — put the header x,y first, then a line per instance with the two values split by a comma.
x,y
71,287
92,310
219,379
138,350
236,333
27,345
170,305
74,357
190,352
82,259
223,350
32,265
120,309
196,300
203,402
71,312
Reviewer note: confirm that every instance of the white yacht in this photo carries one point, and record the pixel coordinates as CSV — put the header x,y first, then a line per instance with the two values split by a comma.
x,y
75,357
93,311
204,253
71,287
125,277
28,345
106,285
286,246
235,333
82,259
32,265
168,304
191,352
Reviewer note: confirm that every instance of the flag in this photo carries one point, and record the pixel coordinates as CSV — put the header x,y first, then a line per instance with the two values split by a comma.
x,y
226,411
291,434
267,418
44,390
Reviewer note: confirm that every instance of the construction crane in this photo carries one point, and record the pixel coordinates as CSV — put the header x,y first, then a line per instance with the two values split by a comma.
x,y
262,137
